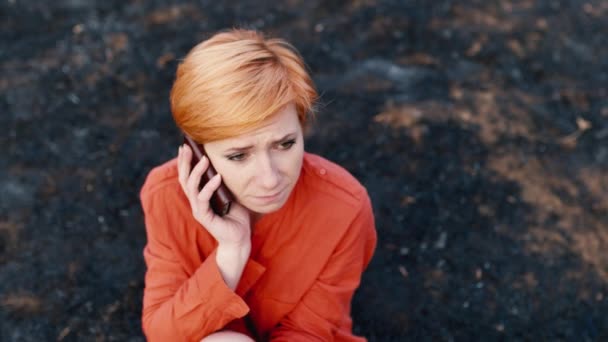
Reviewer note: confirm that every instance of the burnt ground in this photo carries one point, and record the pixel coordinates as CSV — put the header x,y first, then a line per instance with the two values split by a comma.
x,y
480,129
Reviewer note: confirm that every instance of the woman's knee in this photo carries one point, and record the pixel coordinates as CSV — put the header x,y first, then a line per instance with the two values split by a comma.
x,y
227,335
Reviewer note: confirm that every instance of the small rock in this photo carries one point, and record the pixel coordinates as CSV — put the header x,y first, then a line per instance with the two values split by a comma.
x,y
601,155
441,241
478,274
601,134
583,124
73,98
403,271
78,29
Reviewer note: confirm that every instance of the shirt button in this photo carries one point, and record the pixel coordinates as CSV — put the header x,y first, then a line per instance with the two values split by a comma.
x,y
322,172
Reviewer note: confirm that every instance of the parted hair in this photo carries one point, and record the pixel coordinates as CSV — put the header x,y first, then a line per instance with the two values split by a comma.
x,y
230,83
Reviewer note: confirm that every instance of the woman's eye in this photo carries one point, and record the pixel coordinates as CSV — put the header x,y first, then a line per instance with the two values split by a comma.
x,y
287,144
237,157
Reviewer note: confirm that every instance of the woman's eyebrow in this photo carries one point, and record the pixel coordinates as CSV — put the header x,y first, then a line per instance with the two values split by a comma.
x,y
248,147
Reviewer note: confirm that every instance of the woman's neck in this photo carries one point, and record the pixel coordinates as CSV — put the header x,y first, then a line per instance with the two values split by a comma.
x,y
255,217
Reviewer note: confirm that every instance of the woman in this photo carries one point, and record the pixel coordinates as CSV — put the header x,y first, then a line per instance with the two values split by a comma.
x,y
284,263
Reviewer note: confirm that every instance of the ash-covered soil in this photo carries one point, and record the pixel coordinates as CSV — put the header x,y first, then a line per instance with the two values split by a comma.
x,y
480,129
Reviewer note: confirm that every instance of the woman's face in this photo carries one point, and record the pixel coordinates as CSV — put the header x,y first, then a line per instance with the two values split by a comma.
x,y
261,167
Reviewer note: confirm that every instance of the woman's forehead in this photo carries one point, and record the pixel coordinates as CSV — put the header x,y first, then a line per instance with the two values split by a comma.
x,y
275,127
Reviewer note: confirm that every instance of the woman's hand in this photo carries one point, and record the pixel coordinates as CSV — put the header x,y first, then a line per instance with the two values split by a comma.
x,y
232,231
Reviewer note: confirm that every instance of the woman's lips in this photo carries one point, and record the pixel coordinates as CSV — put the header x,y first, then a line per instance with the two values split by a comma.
x,y
268,199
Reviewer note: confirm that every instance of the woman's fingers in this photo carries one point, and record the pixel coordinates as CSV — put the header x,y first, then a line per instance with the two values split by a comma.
x,y
183,165
209,188
194,179
205,214
235,227
190,179
180,172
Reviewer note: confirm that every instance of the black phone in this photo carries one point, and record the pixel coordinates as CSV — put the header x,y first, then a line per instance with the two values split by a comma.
x,y
222,198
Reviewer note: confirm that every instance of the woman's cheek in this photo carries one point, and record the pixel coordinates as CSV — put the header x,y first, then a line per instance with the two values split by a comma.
x,y
297,160
235,183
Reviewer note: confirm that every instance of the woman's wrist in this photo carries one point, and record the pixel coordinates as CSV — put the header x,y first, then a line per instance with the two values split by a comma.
x,y
236,252
231,261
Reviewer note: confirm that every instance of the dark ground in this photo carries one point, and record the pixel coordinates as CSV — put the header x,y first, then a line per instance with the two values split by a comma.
x,y
480,129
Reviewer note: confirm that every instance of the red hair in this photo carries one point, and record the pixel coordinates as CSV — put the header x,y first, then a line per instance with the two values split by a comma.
x,y
227,85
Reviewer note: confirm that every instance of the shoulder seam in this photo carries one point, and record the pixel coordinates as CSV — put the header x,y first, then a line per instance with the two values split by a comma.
x,y
356,195
158,186
158,182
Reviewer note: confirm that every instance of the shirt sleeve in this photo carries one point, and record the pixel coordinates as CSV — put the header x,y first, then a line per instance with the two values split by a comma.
x,y
325,308
178,305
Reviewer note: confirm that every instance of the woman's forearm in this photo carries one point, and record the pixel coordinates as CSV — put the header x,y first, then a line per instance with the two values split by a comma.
x,y
231,261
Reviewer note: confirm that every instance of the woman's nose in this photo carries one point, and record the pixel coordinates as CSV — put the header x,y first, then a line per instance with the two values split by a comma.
x,y
268,174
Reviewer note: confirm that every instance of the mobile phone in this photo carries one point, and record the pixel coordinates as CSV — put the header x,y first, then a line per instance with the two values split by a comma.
x,y
222,198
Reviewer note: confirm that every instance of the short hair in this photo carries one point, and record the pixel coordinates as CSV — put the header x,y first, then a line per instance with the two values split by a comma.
x,y
228,84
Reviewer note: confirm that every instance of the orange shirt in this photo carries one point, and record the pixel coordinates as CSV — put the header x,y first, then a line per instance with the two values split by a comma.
x,y
306,262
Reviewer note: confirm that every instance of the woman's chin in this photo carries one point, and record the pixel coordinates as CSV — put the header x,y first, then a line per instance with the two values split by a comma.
x,y
266,205
265,209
